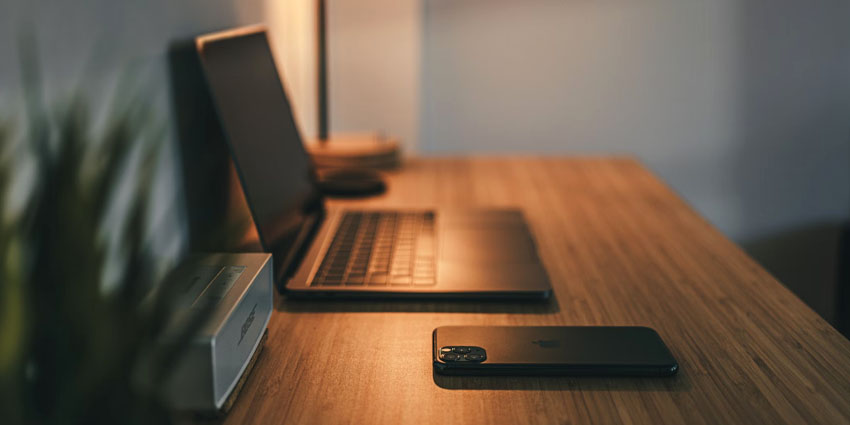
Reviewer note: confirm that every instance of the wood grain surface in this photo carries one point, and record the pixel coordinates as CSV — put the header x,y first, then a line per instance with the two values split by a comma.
x,y
621,249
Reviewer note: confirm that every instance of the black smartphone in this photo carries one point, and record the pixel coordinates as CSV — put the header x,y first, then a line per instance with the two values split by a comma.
x,y
551,350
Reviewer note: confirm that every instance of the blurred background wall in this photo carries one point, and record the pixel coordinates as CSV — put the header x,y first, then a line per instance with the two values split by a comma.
x,y
742,106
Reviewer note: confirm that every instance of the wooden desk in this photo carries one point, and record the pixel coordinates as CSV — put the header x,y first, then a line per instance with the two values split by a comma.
x,y
621,249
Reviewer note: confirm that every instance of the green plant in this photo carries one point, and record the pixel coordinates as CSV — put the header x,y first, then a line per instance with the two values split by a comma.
x,y
70,350
11,292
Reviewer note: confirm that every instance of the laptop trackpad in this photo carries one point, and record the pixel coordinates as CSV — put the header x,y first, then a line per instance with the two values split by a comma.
x,y
511,244
490,259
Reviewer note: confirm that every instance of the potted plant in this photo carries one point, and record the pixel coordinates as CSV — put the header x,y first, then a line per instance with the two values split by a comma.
x,y
74,330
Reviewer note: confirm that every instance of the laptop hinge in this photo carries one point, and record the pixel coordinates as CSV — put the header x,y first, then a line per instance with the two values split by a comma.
x,y
286,267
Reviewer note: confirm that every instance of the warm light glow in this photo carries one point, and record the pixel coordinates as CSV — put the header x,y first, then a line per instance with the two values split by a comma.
x,y
292,35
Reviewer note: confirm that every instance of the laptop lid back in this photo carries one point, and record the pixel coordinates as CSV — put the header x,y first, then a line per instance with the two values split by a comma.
x,y
265,143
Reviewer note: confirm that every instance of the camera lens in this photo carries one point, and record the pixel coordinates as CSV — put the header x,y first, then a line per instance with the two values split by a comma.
x,y
450,356
474,357
462,350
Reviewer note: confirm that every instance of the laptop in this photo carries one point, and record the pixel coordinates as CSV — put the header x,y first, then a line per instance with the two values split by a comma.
x,y
331,252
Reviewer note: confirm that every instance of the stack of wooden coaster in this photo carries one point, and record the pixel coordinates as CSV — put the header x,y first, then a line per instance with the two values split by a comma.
x,y
370,152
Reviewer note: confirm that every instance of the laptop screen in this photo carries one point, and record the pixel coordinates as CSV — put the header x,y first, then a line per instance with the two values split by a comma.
x,y
265,143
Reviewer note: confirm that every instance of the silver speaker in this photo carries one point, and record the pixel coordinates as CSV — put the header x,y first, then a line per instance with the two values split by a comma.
x,y
233,292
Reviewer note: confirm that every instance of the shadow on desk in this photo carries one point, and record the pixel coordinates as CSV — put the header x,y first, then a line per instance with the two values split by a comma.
x,y
549,306
678,382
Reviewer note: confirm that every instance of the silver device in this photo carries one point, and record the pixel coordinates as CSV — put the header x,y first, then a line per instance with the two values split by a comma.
x,y
233,294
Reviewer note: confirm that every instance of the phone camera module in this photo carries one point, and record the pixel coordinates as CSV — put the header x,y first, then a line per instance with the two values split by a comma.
x,y
463,354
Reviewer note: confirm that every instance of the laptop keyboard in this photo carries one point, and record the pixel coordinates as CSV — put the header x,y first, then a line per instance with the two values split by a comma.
x,y
381,248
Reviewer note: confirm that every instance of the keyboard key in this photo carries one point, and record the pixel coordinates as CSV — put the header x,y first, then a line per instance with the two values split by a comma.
x,y
423,281
377,248
400,280
355,280
376,280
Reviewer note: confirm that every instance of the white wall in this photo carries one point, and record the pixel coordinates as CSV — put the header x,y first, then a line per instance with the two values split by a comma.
x,y
374,56
90,41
